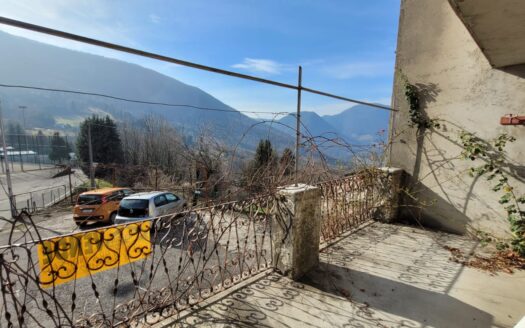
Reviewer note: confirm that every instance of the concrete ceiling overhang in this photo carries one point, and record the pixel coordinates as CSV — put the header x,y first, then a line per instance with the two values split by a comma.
x,y
498,26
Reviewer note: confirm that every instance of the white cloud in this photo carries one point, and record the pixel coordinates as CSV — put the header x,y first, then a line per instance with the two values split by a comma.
x,y
361,69
154,18
261,66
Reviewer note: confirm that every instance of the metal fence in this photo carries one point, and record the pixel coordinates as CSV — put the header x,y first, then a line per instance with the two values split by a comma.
x,y
42,198
149,270
349,202
27,152
145,270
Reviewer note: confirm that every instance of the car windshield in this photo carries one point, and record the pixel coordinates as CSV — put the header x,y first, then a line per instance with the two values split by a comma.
x,y
89,200
171,198
133,207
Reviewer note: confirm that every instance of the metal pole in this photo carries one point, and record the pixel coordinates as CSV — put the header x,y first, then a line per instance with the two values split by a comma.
x,y
33,148
23,115
26,147
20,154
156,178
67,150
2,164
142,53
7,172
39,151
298,120
70,187
91,168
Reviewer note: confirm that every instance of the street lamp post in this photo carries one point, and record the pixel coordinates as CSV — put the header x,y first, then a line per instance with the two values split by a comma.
x,y
12,204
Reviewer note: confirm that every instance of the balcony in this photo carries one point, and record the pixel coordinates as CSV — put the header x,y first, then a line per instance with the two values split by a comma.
x,y
258,263
379,276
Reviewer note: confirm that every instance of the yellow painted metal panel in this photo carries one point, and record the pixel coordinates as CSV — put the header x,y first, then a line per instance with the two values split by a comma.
x,y
66,258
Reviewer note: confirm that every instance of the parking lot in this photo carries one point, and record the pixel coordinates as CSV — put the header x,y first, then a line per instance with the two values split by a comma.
x,y
54,221
37,187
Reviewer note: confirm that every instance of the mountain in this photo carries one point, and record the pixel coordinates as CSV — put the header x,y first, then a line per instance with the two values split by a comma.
x,y
356,125
27,62
311,124
360,124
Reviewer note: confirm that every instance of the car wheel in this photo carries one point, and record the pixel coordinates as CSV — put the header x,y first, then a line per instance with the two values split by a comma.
x,y
112,218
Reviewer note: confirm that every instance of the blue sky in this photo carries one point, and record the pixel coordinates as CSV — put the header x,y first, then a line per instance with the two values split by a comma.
x,y
346,47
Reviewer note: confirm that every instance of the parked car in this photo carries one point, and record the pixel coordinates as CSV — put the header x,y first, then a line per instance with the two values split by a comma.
x,y
148,205
99,205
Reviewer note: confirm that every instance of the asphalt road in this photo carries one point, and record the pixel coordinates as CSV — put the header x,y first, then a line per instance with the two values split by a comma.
x,y
190,255
43,188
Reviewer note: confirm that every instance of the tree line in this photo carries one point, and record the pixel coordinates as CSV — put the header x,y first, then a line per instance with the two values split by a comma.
x,y
150,152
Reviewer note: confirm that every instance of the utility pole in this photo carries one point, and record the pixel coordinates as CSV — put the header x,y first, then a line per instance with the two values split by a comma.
x,y
156,178
91,168
23,108
2,164
20,153
7,172
298,126
70,185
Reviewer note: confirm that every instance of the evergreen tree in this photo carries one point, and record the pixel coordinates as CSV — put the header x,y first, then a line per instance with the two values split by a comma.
x,y
261,169
264,155
105,141
59,148
287,161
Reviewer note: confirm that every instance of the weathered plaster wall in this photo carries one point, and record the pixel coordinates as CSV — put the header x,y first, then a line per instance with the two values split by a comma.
x,y
436,52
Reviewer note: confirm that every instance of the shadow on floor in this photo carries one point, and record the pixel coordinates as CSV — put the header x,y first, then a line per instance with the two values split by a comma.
x,y
256,305
428,308
380,276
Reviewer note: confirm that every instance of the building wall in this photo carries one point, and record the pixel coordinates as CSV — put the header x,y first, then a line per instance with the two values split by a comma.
x,y
436,52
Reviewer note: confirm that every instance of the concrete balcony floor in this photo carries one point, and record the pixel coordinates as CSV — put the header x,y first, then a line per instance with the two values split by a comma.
x,y
380,276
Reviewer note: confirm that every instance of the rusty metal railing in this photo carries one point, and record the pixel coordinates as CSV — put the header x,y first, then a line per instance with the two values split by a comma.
x,y
152,269
348,202
142,271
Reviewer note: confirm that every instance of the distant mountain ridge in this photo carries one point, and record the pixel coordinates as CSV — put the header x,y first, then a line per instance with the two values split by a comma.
x,y
356,125
27,62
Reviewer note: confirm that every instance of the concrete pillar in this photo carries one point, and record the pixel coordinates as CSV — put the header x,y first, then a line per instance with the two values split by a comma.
x,y
389,194
296,230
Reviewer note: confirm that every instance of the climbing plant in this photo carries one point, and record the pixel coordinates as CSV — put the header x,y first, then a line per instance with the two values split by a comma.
x,y
417,117
493,154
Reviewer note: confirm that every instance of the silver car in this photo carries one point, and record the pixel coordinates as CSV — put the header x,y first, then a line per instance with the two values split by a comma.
x,y
148,205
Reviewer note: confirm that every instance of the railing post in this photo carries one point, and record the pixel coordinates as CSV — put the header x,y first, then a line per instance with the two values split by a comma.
x,y
296,230
390,187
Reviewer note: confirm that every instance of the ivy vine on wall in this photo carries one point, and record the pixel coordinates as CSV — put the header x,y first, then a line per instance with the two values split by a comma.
x,y
493,154
417,117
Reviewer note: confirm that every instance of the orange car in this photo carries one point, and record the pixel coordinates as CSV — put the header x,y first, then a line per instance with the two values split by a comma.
x,y
99,205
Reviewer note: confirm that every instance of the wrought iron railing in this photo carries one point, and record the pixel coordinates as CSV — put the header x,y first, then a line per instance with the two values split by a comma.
x,y
139,271
349,202
152,269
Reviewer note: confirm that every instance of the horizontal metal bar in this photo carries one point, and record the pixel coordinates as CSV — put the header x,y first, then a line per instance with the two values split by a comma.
x,y
113,46
326,94
75,37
